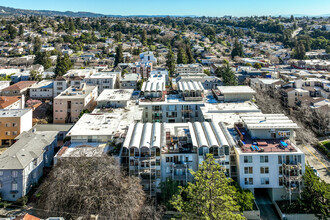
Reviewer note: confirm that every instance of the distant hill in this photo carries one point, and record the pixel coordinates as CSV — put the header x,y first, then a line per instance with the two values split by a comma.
x,y
14,11
7,11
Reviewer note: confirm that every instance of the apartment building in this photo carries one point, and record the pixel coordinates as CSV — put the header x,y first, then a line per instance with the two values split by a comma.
x,y
103,80
75,77
267,157
234,93
142,68
290,95
148,57
42,90
191,91
172,109
102,126
157,151
20,88
12,123
208,82
21,165
129,81
114,98
154,88
69,104
60,84
188,68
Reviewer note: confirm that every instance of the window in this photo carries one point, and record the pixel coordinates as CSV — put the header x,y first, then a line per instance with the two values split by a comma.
x,y
280,170
0,185
263,159
14,186
169,159
279,159
248,170
14,124
14,132
280,181
227,151
14,173
247,159
7,124
7,133
264,181
264,170
248,181
1,173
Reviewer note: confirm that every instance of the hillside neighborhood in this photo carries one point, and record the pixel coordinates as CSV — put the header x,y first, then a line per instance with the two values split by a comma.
x,y
138,106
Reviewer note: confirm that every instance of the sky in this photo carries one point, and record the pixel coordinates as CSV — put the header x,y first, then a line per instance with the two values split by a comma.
x,y
179,7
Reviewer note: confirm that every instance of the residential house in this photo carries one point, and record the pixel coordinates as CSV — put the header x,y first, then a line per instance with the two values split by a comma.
x,y
20,88
21,165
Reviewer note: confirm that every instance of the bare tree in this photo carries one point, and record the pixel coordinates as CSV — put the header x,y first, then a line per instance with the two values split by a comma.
x,y
85,186
269,102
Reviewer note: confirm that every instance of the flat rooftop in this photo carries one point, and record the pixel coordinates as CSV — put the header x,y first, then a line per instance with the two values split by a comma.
x,y
76,92
7,113
235,90
228,112
248,145
115,95
268,121
113,122
104,75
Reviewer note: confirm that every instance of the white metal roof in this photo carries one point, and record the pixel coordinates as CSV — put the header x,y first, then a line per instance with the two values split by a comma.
x,y
268,121
190,86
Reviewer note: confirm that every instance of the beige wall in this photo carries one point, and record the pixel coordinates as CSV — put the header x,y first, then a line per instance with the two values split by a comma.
x,y
3,128
77,105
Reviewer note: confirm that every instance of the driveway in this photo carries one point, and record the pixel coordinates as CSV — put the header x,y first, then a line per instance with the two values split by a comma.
x,y
266,207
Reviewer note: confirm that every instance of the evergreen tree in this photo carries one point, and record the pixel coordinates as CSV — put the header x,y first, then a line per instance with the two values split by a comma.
x,y
210,197
118,36
227,75
237,49
63,65
144,37
170,62
119,55
42,58
12,31
316,195
37,45
190,56
182,57
300,52
21,31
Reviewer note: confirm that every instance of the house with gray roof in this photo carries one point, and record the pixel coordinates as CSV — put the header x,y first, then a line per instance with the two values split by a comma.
x,y
21,165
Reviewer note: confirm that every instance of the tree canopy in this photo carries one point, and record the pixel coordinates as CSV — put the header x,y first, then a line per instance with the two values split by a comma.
x,y
63,65
210,196
91,185
227,75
